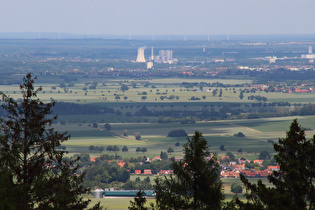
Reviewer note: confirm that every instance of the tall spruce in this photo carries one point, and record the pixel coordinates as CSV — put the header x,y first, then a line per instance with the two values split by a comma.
x,y
293,183
33,173
196,183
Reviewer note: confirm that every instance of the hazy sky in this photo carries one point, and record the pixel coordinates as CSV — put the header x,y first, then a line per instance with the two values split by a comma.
x,y
159,17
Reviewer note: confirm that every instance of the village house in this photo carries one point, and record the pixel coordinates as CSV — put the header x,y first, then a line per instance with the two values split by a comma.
x,y
165,172
147,171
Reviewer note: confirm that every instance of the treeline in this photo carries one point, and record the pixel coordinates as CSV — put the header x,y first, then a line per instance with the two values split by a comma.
x,y
63,108
205,84
282,74
305,110
228,111
209,114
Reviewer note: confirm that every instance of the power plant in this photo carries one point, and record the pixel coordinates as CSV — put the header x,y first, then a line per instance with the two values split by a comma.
x,y
165,56
140,56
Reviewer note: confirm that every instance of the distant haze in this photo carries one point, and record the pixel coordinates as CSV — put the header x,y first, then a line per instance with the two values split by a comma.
x,y
159,17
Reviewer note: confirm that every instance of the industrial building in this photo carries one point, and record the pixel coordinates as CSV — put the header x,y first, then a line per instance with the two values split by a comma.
x,y
99,193
310,54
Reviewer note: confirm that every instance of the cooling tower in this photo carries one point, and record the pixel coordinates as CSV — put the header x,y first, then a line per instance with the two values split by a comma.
x,y
140,56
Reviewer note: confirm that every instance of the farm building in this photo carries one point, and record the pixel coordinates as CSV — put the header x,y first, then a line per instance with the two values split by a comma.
x,y
121,193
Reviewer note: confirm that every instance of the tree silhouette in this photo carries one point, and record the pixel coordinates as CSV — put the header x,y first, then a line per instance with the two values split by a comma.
x,y
293,183
196,184
124,149
32,169
170,150
139,202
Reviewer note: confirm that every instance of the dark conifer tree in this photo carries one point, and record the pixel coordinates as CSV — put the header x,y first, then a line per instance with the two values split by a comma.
x,y
196,184
293,183
33,172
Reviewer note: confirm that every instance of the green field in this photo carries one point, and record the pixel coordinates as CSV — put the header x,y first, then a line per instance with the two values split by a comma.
x,y
154,136
156,88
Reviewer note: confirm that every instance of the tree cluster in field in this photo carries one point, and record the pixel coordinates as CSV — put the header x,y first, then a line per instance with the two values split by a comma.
x,y
171,97
137,136
181,120
239,134
65,108
205,84
236,188
109,148
101,173
257,98
194,98
177,133
141,149
96,148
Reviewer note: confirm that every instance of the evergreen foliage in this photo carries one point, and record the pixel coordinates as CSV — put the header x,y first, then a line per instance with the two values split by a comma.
x,y
196,184
293,183
139,202
33,173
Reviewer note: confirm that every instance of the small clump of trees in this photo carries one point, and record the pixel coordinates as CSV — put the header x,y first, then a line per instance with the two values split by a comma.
x,y
236,188
93,148
170,150
137,136
239,134
177,133
141,149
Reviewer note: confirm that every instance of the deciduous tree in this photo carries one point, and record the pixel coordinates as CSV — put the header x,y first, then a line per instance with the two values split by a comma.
x,y
124,149
170,150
